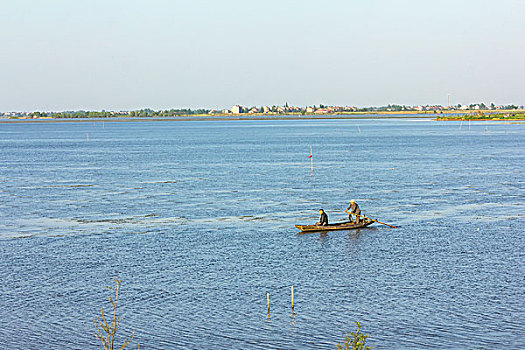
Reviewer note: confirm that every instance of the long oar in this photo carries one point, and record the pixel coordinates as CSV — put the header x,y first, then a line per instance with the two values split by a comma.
x,y
379,222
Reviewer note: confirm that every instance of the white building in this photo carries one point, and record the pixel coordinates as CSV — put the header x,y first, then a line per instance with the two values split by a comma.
x,y
237,109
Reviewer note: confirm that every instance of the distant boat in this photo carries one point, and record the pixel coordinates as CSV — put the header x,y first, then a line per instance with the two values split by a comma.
x,y
333,227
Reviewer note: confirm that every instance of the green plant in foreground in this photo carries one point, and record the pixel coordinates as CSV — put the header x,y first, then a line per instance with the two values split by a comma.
x,y
355,341
106,332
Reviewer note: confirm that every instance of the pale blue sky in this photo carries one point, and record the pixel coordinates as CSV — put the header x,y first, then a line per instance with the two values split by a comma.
x,y
125,54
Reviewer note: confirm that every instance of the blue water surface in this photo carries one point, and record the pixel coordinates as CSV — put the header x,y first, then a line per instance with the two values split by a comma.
x,y
196,218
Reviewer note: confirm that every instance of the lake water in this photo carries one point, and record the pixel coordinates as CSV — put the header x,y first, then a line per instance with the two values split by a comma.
x,y
197,219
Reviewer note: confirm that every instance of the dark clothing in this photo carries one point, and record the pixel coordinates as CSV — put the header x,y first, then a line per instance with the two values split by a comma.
x,y
323,220
354,209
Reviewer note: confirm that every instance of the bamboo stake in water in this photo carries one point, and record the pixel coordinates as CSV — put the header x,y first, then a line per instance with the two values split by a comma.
x,y
311,160
268,301
292,301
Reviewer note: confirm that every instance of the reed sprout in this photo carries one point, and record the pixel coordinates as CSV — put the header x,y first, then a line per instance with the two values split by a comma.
x,y
107,332
355,341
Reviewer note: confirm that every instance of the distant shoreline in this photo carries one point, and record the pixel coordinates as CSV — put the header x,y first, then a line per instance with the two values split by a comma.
x,y
227,117
442,116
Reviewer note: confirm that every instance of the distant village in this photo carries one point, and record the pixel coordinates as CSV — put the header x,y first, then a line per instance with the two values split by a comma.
x,y
321,109
265,110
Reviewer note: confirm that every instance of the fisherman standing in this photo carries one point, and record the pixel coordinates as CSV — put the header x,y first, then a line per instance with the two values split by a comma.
x,y
323,221
353,209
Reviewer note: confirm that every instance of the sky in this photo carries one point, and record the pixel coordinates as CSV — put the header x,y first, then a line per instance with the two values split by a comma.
x,y
58,55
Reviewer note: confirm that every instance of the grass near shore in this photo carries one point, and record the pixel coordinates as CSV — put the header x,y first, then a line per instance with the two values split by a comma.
x,y
485,115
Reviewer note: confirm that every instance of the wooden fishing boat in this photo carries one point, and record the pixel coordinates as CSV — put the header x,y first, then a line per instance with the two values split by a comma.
x,y
333,227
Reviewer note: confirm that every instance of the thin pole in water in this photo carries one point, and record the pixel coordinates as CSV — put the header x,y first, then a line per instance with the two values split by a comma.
x,y
87,137
486,126
268,301
292,301
311,160
358,128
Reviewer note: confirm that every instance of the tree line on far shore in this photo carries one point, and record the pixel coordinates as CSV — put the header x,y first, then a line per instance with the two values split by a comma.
x,y
143,113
